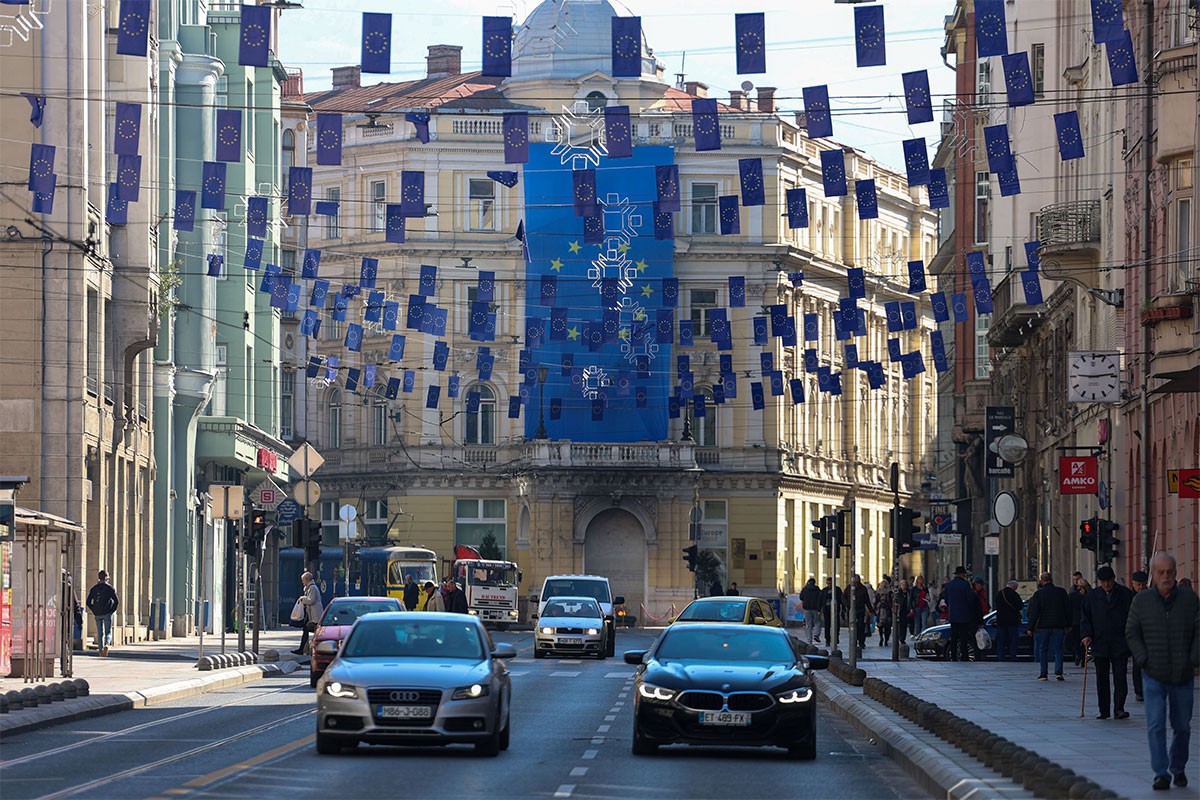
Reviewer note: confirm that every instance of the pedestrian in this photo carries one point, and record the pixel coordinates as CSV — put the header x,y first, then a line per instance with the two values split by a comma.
x,y
1102,628
1049,617
453,597
964,613
1079,590
715,590
883,612
1138,582
810,599
433,598
862,609
916,623
412,593
311,598
1163,633
981,589
103,602
903,613
831,595
1008,621
734,591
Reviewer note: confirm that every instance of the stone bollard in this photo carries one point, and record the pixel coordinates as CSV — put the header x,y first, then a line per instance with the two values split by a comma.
x,y
56,693
1082,789
3,704
29,698
81,687
15,703
270,656
43,694
69,690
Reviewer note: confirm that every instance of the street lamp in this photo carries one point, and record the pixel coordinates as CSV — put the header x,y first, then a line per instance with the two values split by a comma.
x,y
543,373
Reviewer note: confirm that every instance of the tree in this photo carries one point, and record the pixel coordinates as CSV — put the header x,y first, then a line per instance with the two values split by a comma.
x,y
488,548
709,569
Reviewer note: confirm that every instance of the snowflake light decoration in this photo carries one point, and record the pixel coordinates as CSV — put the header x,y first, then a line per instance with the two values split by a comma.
x,y
578,136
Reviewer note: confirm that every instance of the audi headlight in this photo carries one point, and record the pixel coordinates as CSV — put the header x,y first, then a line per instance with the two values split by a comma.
x,y
341,690
593,631
470,692
548,631
801,695
652,692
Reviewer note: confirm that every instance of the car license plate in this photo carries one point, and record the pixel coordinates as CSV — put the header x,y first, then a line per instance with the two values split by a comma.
x,y
731,718
569,641
404,712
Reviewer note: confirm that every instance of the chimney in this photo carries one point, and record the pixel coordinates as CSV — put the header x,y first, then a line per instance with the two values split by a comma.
x,y
443,60
696,88
347,77
766,99
737,98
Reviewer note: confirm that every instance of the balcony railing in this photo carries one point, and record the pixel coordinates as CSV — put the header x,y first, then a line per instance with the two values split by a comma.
x,y
1012,318
1066,225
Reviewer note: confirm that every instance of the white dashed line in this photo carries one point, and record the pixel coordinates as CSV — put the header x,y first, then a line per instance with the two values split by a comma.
x,y
570,661
616,674
564,790
588,755
603,729
565,674
517,673
598,741
579,772
610,717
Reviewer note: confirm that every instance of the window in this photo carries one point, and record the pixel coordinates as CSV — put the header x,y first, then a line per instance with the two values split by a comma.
x,y
289,156
378,205
596,101
983,81
375,520
481,201
334,419
1183,257
379,423
481,522
1183,22
287,262
704,429
703,303
332,229
1008,261
1037,65
983,197
94,341
287,403
481,426
704,208
249,115
329,514
983,366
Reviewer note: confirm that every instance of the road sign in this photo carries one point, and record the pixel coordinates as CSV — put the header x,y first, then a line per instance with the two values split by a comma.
x,y
1189,484
288,512
950,539
347,513
998,422
306,460
227,501
267,495
1102,495
942,518
1172,481
1004,509
307,492
991,545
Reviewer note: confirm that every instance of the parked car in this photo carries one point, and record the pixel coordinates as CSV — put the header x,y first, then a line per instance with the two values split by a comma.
x,y
934,642
339,617
571,626
744,610
416,678
709,683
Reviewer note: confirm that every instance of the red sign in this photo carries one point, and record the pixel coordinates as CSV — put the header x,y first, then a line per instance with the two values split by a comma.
x,y
1078,475
1189,484
267,460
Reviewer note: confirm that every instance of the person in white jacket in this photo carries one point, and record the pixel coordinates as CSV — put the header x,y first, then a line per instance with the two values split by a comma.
x,y
312,609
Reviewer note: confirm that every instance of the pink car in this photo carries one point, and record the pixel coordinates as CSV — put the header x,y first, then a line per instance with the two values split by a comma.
x,y
339,617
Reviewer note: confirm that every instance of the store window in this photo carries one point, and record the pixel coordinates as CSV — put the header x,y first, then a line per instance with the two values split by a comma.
x,y
481,523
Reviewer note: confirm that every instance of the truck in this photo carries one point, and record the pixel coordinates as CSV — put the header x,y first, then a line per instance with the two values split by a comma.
x,y
491,589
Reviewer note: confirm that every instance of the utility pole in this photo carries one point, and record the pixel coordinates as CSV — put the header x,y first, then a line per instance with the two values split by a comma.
x,y
896,621
833,598
846,526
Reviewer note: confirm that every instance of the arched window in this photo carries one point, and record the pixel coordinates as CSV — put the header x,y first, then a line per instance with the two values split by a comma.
x,y
481,424
704,429
334,419
596,101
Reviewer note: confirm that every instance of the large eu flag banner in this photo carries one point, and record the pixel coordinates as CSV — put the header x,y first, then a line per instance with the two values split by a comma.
x,y
628,256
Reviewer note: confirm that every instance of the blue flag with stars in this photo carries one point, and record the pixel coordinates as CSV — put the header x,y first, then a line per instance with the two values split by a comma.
x,y
797,208
133,28
626,47
870,46
939,191
618,131
706,125
999,152
750,170
255,38
127,129
516,137
918,102
916,161
329,139
497,47
817,115
730,214
1108,21
1070,141
212,186
991,31
1018,81
750,31
377,43
833,173
866,198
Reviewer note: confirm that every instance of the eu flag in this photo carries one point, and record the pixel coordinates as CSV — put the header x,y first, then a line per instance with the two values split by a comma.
x,y
1010,182
377,43
797,208
308,326
618,131
894,320
352,376
1122,65
254,251
937,344
516,137
229,135
1108,23
129,178
127,129
255,36
999,154
1070,142
133,28
215,262
428,281
368,271
908,314
497,47
737,291
917,99
394,224
991,33
751,33
976,264
756,396
593,229
916,161
916,277
412,193
664,224
420,121
329,139
869,36
256,217
432,395
41,167
626,47
505,177
912,364
759,327
982,290
856,283
664,325
185,210
212,185
666,182
116,210
299,191
751,172
310,267
939,192
731,221
811,327
833,173
320,292
326,208
549,290
867,199
816,112
1018,81
706,124
37,107
1032,257
584,192
1033,288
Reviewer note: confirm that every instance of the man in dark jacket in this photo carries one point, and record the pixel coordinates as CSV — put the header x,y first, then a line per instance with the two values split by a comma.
x,y
1102,628
1139,581
453,597
964,614
1049,617
1163,633
412,593
829,595
102,601
863,609
810,597
1008,621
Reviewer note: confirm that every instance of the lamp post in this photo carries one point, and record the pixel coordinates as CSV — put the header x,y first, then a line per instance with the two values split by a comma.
x,y
543,373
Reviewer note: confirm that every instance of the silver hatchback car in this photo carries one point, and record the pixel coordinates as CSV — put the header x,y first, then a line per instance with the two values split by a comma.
x,y
571,626
416,678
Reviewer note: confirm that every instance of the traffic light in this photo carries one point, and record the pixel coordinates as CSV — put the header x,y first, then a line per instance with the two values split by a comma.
x,y
1107,540
255,533
312,542
821,531
1087,534
907,526
840,528
689,555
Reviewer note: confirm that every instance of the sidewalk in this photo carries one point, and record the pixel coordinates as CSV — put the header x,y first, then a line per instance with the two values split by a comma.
x,y
145,673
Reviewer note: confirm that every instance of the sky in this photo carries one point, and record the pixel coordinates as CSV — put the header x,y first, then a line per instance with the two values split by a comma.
x,y
809,42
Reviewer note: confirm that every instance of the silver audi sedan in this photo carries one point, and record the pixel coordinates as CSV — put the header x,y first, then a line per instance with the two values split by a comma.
x,y
416,678
571,626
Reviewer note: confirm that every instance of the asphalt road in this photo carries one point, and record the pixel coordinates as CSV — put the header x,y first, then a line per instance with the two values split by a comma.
x,y
571,731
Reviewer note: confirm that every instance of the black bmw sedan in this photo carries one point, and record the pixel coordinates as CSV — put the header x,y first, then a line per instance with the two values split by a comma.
x,y
724,684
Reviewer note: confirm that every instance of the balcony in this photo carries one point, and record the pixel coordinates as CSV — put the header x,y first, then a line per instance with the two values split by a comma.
x,y
1012,319
1070,237
1175,76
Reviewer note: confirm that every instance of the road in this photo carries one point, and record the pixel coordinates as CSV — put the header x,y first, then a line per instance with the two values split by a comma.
x,y
571,729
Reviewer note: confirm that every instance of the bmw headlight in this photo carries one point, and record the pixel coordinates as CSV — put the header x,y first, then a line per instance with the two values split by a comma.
x,y
342,690
593,631
801,695
547,631
652,692
470,692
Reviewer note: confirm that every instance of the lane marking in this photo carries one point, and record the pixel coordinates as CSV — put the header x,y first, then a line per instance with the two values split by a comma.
x,y
564,790
250,763
610,718
565,674
598,741
589,754
579,772
616,675
603,728
570,661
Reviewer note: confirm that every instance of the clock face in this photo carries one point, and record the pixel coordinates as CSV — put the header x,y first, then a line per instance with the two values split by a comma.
x,y
1094,377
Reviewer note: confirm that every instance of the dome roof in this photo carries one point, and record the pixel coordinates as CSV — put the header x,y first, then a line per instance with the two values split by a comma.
x,y
568,39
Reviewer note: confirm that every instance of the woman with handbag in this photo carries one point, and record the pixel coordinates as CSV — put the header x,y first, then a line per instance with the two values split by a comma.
x,y
311,600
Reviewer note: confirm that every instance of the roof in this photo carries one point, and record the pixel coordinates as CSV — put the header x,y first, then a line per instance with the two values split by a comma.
x,y
470,90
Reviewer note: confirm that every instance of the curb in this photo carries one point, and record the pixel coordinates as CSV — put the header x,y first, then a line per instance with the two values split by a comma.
x,y
95,705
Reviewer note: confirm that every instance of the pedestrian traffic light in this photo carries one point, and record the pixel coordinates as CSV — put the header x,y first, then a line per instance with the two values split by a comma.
x,y
1107,540
821,531
907,526
312,542
256,532
1087,534
689,555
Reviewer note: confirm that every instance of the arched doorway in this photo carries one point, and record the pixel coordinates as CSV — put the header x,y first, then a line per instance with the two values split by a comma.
x,y
614,546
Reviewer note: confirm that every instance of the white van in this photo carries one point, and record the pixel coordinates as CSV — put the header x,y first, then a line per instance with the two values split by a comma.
x,y
594,586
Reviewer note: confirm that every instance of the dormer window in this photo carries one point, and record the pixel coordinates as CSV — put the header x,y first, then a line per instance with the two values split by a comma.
x,y
597,101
